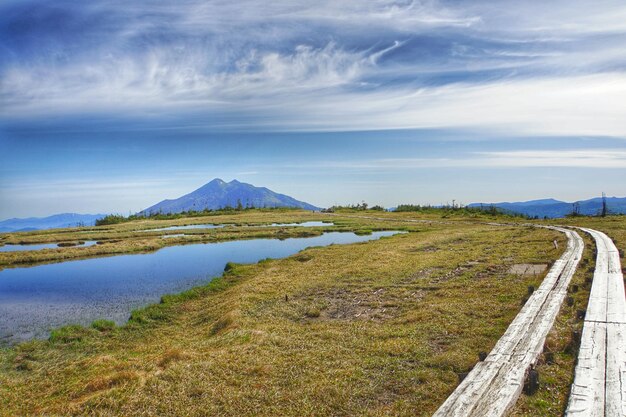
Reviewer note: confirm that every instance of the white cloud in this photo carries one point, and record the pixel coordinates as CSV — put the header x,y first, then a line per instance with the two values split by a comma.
x,y
579,105
307,66
582,158
553,158
164,78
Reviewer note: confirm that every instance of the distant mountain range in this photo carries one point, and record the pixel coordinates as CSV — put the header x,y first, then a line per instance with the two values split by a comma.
x,y
218,194
51,222
551,208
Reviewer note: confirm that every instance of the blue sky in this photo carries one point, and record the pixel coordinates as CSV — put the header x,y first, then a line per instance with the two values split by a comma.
x,y
111,106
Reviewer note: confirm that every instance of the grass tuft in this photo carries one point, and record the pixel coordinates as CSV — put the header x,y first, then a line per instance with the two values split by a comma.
x,y
172,355
147,315
224,323
230,267
110,381
103,325
69,334
303,258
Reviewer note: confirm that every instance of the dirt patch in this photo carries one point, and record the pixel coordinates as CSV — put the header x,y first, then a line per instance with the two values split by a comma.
x,y
371,305
491,271
456,241
428,248
441,342
528,269
456,272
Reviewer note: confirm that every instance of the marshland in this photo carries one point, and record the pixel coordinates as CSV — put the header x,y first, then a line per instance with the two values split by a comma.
x,y
380,327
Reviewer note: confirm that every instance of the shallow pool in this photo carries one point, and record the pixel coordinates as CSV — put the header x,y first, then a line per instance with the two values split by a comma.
x,y
188,227
35,299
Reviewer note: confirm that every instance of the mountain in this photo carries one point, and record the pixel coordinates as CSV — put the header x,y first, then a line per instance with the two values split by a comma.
x,y
219,194
554,208
50,222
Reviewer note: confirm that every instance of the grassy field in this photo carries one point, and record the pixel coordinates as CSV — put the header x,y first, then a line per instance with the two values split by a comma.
x,y
378,328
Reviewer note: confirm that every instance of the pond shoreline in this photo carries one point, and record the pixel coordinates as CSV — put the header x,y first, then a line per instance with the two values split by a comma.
x,y
31,302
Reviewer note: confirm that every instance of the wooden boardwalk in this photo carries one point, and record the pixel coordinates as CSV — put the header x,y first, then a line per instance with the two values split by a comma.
x,y
599,387
494,385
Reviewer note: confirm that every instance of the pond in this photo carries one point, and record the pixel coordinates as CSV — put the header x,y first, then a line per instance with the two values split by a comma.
x,y
38,246
188,227
35,299
304,224
217,226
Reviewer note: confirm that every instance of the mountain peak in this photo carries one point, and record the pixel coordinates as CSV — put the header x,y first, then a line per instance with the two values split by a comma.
x,y
218,194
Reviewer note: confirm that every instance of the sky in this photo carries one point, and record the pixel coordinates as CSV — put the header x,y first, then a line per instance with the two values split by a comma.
x,y
111,106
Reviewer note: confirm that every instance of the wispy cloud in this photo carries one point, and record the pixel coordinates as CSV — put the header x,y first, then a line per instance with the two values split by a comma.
x,y
553,68
581,158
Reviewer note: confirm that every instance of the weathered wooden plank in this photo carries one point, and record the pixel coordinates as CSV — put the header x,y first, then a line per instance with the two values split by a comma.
x,y
520,326
598,297
588,390
494,385
608,281
616,370
599,387
616,307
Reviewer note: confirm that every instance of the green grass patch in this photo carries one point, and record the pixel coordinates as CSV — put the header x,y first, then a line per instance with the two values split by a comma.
x,y
103,325
69,334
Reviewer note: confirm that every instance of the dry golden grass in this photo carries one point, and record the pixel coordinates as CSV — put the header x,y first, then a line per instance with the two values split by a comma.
x,y
380,328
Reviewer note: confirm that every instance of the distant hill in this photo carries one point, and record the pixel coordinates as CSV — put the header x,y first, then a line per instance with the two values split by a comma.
x,y
218,194
554,208
50,222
